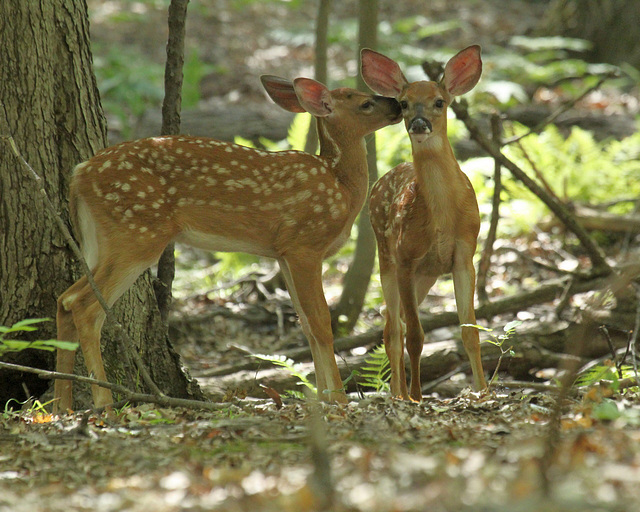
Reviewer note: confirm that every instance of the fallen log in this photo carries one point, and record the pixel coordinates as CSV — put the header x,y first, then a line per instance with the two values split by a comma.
x,y
546,292
537,345
593,219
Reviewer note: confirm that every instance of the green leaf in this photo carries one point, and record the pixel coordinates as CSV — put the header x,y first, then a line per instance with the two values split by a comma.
x,y
479,327
512,325
607,410
31,321
536,44
25,325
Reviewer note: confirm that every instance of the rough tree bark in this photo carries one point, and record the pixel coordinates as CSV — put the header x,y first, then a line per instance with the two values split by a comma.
x,y
50,104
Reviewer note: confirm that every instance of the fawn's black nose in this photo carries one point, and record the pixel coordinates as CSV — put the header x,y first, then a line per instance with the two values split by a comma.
x,y
420,125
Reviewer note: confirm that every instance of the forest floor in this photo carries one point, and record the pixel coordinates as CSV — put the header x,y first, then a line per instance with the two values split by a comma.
x,y
492,452
509,449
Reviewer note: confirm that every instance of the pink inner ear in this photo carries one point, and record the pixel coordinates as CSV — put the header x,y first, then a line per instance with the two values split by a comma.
x,y
282,92
382,74
313,96
463,71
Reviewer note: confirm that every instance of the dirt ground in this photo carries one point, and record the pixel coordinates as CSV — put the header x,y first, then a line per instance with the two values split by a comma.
x,y
495,451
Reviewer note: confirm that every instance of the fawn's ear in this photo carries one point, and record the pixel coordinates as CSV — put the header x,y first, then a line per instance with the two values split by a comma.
x,y
463,71
381,74
314,97
281,91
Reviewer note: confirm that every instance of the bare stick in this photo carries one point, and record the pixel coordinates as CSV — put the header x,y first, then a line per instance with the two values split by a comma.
x,y
564,108
130,396
600,265
634,337
546,292
320,481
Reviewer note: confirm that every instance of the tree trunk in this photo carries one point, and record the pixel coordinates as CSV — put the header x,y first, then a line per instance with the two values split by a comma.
x,y
171,107
611,25
50,104
322,30
356,280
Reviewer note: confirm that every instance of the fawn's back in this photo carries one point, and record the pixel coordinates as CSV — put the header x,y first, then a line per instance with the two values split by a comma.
x,y
210,194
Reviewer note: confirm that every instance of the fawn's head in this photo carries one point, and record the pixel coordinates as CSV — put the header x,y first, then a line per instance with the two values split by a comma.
x,y
349,110
424,104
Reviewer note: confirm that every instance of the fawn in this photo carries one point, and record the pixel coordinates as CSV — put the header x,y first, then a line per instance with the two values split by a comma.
x,y
129,201
424,214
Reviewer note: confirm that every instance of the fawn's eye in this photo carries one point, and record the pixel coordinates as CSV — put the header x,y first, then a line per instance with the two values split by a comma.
x,y
403,105
439,103
366,105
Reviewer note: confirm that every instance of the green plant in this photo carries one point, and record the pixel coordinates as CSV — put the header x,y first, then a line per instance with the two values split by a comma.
x,y
375,372
10,345
294,369
296,136
577,167
129,84
31,407
499,340
195,69
606,371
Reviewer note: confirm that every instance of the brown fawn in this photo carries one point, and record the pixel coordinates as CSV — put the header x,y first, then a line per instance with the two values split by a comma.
x,y
424,214
129,201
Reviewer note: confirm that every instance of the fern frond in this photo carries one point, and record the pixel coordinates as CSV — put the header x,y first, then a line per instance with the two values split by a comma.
x,y
375,372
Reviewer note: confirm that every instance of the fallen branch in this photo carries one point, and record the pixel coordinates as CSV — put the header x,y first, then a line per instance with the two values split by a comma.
x,y
593,219
487,250
129,396
514,303
564,108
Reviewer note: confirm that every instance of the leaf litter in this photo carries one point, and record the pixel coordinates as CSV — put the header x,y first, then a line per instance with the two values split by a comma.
x,y
471,452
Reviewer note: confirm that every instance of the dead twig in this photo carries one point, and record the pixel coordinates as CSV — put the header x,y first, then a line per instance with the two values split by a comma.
x,y
320,480
618,364
546,292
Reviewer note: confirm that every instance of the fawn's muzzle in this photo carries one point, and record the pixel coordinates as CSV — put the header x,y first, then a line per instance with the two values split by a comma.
x,y
420,125
395,112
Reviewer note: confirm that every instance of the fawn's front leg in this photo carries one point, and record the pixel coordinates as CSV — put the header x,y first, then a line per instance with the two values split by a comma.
x,y
393,335
464,279
415,334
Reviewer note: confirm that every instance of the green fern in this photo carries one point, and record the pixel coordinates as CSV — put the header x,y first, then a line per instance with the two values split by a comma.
x,y
293,368
296,136
376,372
604,372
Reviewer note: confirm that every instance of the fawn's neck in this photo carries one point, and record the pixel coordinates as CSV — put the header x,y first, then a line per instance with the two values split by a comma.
x,y
346,155
437,171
